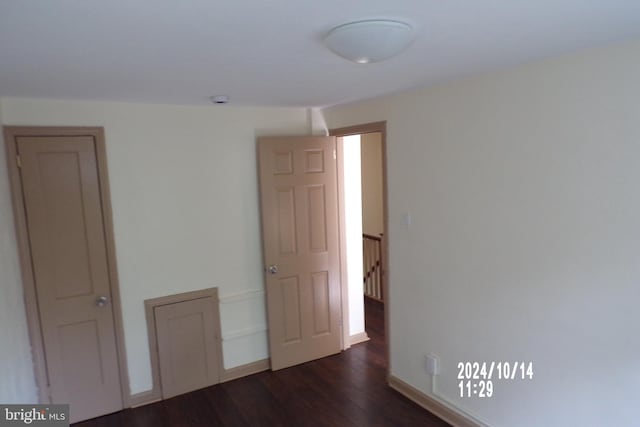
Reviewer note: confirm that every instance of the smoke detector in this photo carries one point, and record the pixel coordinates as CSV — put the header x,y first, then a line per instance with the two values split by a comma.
x,y
219,99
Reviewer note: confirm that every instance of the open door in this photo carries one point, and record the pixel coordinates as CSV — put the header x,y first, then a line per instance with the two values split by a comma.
x,y
299,198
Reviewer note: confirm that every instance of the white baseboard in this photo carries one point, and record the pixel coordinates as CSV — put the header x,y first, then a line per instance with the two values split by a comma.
x,y
445,412
245,370
358,338
144,398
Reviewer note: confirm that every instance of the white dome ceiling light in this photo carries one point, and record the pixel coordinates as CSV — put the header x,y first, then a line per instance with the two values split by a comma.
x,y
369,41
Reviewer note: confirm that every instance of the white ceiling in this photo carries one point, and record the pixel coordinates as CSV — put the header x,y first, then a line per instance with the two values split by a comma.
x,y
270,52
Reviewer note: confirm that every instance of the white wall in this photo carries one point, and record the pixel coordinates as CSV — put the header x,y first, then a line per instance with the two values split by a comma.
x,y
17,381
372,184
185,206
350,147
523,187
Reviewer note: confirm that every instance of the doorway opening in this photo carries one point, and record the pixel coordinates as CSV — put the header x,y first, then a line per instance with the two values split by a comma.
x,y
362,192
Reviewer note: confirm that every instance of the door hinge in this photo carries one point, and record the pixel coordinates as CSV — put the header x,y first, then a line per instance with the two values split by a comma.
x,y
334,155
18,160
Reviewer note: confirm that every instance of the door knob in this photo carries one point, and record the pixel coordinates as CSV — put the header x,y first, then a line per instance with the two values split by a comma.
x,y
273,269
102,301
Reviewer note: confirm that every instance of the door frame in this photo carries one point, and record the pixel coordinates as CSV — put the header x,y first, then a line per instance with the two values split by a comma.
x,y
359,130
24,250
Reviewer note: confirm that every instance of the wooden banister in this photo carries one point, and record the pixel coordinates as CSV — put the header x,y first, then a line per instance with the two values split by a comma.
x,y
372,268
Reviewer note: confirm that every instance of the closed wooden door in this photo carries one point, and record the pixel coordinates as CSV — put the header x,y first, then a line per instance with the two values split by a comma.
x,y
66,239
187,345
298,181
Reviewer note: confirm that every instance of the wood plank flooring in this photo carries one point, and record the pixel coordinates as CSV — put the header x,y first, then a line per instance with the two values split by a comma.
x,y
345,390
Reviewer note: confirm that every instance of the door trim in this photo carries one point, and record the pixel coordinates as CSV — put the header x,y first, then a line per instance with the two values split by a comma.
x,y
24,250
359,130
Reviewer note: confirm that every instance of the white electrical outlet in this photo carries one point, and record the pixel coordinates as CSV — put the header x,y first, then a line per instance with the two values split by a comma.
x,y
431,364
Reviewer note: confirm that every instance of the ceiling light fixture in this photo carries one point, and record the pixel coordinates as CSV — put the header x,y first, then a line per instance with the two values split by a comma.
x,y
369,41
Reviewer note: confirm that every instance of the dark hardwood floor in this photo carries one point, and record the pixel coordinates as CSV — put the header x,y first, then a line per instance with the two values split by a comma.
x,y
347,389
